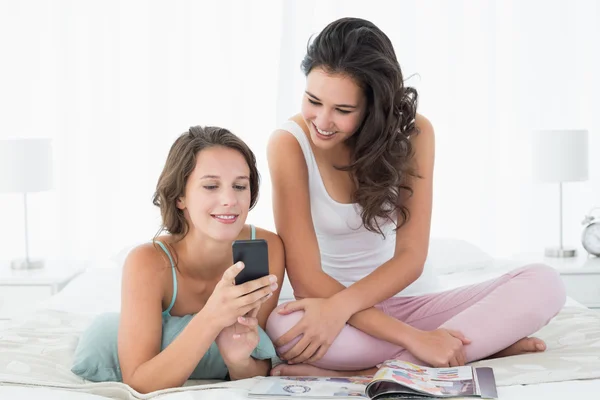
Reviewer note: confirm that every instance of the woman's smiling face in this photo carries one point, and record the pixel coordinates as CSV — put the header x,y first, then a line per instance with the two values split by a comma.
x,y
217,193
333,107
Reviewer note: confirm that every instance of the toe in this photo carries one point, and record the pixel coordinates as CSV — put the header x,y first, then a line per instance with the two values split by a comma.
x,y
538,344
532,344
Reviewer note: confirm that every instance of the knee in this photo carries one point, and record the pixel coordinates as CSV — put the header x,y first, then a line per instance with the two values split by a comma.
x,y
548,287
278,324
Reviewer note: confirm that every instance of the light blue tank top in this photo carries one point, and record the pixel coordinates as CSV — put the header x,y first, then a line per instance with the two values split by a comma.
x,y
167,312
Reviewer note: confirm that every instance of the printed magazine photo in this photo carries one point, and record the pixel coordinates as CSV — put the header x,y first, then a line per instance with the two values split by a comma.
x,y
395,379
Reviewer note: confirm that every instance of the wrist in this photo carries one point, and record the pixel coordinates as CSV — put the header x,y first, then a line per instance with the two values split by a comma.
x,y
237,368
211,322
343,305
409,337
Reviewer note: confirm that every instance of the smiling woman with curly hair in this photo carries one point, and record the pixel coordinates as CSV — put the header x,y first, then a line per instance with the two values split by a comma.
x,y
352,178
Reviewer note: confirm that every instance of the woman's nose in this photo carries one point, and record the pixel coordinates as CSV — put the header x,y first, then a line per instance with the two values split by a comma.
x,y
323,121
228,197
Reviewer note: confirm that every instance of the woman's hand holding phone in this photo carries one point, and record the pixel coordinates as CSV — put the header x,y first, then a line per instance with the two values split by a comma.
x,y
234,308
229,301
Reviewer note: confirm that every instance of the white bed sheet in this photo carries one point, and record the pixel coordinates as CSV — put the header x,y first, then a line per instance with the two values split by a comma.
x,y
34,393
19,386
580,390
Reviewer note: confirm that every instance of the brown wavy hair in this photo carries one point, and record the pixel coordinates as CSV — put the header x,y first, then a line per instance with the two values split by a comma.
x,y
180,164
381,159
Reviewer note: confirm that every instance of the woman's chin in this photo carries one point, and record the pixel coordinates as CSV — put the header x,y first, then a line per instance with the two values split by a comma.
x,y
224,232
324,142
226,235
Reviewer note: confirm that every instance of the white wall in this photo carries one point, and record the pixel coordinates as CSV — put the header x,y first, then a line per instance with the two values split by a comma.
x,y
114,82
488,73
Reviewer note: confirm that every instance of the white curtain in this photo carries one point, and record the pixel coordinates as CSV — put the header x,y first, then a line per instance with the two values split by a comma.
x,y
115,82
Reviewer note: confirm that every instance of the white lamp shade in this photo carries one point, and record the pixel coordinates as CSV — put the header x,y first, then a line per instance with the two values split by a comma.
x,y
560,155
25,165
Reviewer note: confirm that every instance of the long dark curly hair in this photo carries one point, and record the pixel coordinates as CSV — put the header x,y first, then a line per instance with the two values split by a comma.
x,y
381,149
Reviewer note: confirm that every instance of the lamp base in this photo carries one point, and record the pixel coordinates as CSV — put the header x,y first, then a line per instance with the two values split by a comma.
x,y
560,252
27,264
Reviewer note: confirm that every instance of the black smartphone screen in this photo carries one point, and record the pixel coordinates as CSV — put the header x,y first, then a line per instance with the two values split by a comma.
x,y
255,256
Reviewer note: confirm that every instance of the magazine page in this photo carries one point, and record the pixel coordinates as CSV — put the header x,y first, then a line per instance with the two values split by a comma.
x,y
396,376
486,382
307,387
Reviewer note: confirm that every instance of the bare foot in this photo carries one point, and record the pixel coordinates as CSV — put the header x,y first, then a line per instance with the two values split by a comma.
x,y
525,345
310,370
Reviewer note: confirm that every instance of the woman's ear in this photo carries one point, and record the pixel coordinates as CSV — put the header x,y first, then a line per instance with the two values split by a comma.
x,y
181,203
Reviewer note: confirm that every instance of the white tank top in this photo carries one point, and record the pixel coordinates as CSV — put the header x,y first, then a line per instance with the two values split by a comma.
x,y
349,252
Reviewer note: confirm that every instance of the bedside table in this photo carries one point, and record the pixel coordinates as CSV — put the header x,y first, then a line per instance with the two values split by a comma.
x,y
581,275
21,290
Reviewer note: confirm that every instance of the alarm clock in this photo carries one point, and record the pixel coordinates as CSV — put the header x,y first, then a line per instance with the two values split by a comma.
x,y
590,238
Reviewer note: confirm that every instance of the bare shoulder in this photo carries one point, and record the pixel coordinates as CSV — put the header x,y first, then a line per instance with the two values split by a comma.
x,y
146,262
424,126
282,140
424,140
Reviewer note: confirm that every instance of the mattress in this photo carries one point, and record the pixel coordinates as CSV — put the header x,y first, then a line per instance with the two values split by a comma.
x,y
36,352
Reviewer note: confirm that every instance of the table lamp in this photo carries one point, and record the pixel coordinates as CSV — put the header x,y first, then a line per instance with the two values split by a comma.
x,y
560,156
25,167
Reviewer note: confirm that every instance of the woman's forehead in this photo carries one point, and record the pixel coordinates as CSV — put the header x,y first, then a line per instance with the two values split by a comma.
x,y
219,161
333,88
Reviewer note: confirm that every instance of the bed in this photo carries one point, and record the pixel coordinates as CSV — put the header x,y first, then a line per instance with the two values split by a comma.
x,y
36,349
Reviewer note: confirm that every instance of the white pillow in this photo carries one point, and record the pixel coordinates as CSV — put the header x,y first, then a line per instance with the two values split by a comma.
x,y
455,255
121,255
95,291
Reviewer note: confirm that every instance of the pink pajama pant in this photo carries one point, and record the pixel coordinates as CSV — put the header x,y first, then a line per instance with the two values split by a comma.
x,y
493,314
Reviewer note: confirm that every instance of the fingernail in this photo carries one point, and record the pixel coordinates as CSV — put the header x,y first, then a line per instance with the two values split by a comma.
x,y
272,278
276,373
540,346
269,295
236,336
240,265
242,319
273,286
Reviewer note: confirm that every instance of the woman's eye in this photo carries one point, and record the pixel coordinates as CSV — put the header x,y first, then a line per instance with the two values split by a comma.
x,y
314,102
239,187
210,187
344,111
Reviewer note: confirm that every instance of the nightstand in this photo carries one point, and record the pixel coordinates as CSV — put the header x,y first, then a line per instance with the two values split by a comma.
x,y
21,290
580,274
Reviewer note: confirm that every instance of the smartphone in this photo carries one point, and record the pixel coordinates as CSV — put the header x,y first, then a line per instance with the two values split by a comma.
x,y
255,256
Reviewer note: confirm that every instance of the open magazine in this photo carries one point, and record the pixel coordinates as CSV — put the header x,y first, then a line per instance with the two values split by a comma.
x,y
395,379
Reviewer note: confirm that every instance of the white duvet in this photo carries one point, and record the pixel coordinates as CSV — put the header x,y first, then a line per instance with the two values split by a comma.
x,y
36,352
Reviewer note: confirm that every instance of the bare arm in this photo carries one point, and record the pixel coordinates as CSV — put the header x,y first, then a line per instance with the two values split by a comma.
x,y
412,239
144,367
293,219
249,369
